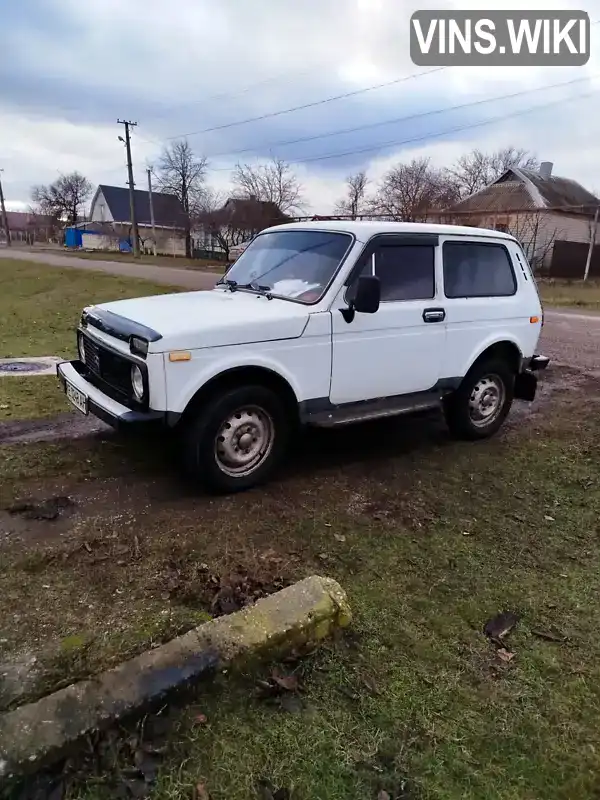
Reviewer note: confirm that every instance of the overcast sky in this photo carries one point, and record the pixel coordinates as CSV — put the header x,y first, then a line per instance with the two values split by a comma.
x,y
69,69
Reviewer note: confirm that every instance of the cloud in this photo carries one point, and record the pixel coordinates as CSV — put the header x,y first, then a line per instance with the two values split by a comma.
x,y
69,70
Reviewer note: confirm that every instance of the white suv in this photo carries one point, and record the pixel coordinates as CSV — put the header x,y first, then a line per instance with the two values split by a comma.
x,y
322,323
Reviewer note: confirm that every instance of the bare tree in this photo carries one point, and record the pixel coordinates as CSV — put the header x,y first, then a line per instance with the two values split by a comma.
x,y
274,182
537,233
237,220
476,170
408,192
182,173
63,199
355,201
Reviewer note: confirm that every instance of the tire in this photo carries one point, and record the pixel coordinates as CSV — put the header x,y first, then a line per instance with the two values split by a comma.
x,y
211,441
470,412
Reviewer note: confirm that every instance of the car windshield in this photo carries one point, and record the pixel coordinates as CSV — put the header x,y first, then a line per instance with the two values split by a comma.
x,y
291,264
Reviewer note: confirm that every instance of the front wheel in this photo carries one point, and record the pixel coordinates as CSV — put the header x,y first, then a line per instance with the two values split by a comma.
x,y
477,409
237,439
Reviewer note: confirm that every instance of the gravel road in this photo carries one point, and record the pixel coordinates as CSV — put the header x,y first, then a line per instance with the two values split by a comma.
x,y
572,338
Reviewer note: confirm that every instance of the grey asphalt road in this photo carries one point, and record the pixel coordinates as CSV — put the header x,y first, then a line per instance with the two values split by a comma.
x,y
569,337
572,338
172,276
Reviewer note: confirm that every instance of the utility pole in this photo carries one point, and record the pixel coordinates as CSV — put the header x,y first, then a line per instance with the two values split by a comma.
x,y
149,170
134,226
4,216
592,243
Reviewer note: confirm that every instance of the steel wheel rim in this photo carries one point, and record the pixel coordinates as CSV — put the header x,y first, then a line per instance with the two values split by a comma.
x,y
244,440
487,400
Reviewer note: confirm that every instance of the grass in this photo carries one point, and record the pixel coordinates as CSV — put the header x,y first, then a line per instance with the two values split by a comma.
x,y
571,293
158,261
429,537
39,311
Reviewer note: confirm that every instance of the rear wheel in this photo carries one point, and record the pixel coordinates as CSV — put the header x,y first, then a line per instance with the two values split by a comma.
x,y
477,409
237,439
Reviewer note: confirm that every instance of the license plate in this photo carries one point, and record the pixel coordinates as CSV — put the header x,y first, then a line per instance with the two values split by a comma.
x,y
78,399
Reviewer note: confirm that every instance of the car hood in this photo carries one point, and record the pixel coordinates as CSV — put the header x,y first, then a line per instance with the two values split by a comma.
x,y
191,320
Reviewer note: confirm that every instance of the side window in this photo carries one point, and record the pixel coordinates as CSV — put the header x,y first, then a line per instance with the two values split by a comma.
x,y
472,269
406,272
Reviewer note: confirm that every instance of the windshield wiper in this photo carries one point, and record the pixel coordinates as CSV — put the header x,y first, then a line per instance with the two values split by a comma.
x,y
231,285
256,287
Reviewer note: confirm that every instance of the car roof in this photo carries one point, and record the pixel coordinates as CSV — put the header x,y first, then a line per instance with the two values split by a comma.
x,y
365,229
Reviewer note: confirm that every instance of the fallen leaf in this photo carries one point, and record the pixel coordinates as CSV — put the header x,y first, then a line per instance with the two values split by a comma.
x,y
323,556
548,518
339,537
501,625
370,685
87,547
287,682
505,655
201,792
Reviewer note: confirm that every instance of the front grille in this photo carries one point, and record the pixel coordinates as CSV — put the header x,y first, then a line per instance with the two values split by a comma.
x,y
92,355
108,368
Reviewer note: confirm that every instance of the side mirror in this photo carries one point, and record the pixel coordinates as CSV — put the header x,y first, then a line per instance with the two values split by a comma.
x,y
368,294
366,299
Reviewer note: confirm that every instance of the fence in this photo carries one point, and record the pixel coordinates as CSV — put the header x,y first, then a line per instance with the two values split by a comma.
x,y
569,260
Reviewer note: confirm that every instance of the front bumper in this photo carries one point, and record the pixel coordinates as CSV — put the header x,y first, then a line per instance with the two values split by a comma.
x,y
102,406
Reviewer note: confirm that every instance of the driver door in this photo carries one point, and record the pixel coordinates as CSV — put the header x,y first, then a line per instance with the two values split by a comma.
x,y
399,349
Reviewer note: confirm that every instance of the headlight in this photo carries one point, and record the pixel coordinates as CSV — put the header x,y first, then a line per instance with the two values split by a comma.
x,y
81,348
137,382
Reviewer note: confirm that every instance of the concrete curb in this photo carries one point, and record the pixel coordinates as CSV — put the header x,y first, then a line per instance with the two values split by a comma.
x,y
37,733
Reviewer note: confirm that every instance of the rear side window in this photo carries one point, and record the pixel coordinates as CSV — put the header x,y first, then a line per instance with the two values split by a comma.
x,y
477,270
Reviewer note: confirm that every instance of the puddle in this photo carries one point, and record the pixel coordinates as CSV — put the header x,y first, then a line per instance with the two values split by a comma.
x,y
70,425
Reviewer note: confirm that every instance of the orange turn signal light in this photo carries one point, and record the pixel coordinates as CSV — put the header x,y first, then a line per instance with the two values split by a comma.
x,y
180,355
533,320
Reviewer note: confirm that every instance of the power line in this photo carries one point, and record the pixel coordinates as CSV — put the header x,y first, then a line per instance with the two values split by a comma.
x,y
325,100
239,92
428,136
419,115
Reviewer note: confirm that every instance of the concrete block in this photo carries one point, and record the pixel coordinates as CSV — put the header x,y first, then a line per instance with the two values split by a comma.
x,y
37,733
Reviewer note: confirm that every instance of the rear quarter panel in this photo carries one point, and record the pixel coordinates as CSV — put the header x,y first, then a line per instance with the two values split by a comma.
x,y
475,323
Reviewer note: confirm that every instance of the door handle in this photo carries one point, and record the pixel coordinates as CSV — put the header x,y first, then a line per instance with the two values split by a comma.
x,y
434,315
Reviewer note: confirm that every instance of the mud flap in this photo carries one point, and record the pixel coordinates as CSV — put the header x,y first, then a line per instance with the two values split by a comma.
x,y
525,386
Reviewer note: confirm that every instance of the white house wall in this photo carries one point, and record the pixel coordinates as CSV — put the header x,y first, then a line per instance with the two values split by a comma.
x,y
100,212
537,231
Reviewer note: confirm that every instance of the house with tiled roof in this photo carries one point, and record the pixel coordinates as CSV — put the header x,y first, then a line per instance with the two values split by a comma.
x,y
228,230
538,208
110,214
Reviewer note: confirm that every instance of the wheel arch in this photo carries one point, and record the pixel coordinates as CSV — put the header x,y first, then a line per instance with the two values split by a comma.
x,y
239,376
505,349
